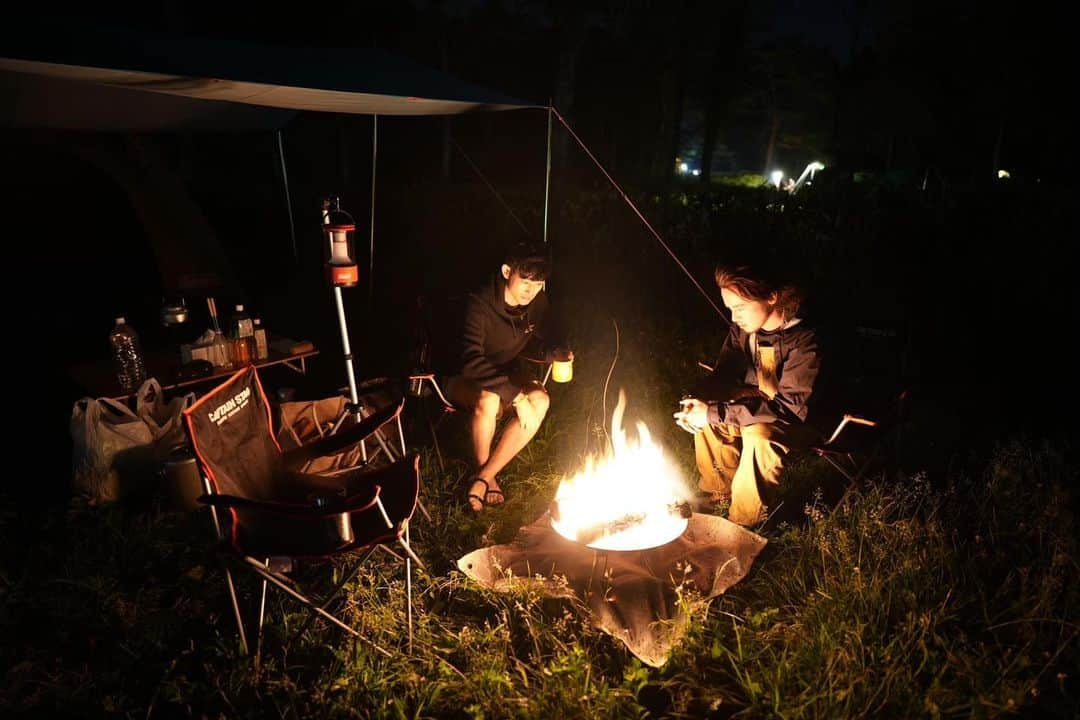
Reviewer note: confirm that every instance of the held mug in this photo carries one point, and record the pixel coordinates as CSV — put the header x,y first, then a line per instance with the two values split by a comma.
x,y
562,369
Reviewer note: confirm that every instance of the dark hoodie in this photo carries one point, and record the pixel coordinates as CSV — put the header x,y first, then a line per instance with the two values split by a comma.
x,y
731,389
495,336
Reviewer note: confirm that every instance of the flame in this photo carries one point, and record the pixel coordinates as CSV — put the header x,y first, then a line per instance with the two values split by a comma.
x,y
627,499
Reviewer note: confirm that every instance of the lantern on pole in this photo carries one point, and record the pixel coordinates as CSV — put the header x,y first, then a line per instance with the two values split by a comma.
x,y
339,227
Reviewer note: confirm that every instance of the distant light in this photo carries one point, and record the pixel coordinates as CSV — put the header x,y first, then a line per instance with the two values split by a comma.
x,y
683,167
776,176
696,172
1002,174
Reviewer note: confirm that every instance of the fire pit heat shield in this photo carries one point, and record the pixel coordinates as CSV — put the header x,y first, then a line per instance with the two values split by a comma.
x,y
632,595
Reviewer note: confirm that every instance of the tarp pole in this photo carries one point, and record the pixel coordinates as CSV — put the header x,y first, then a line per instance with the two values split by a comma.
x,y
288,199
547,174
371,243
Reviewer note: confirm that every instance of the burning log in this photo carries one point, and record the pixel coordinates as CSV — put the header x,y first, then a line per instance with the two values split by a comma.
x,y
591,533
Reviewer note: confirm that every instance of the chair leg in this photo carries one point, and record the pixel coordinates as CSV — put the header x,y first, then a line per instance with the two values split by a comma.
x,y
390,552
423,510
381,439
281,584
404,452
228,575
409,551
333,594
401,436
447,407
434,438
840,468
236,612
408,591
262,615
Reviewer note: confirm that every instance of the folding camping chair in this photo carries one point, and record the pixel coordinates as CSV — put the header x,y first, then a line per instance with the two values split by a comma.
x,y
303,420
856,442
277,514
432,347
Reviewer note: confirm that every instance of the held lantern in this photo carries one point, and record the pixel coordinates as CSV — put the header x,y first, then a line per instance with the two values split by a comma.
x,y
339,228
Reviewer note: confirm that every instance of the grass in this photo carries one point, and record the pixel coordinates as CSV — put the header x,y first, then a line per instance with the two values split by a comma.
x,y
939,597
946,586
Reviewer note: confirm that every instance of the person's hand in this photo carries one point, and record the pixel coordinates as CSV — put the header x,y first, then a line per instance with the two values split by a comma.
x,y
526,414
694,415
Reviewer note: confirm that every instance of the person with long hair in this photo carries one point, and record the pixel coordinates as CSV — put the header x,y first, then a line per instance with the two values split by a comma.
x,y
752,409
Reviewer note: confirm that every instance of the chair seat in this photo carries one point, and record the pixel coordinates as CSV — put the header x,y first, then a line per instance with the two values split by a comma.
x,y
316,515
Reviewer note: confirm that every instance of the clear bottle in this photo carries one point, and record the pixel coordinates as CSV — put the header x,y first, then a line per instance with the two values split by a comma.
x,y
220,350
127,356
262,345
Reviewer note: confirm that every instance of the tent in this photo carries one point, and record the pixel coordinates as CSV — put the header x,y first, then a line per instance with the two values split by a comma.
x,y
63,76
59,76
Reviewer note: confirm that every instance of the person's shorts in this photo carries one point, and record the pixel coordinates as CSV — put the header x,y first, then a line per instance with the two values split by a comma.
x,y
464,393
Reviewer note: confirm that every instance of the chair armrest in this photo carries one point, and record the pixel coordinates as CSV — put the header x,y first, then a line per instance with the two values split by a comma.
x,y
536,360
844,423
333,444
356,502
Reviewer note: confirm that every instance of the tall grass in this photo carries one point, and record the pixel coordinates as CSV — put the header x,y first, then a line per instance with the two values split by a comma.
x,y
911,598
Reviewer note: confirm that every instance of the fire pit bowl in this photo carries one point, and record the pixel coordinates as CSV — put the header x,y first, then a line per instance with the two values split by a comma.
x,y
630,531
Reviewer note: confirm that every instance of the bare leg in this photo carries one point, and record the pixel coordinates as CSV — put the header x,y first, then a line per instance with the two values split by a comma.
x,y
483,426
514,438
482,431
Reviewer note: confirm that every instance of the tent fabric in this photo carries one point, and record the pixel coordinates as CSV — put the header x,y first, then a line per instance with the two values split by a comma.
x,y
37,101
197,74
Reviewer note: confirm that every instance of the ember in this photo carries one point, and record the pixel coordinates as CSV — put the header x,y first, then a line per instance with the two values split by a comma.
x,y
632,498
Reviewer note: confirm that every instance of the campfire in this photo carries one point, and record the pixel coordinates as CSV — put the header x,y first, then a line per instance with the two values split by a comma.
x,y
630,498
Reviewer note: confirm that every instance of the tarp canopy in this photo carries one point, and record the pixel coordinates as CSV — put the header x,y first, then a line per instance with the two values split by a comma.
x,y
64,76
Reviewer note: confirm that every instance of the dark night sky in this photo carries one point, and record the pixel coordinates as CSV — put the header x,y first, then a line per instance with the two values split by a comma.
x,y
947,74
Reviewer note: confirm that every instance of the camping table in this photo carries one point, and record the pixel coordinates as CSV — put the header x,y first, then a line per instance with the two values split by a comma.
x,y
99,380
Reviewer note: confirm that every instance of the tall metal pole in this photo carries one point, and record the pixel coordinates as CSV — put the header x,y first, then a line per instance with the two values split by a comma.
x,y
371,248
547,174
288,200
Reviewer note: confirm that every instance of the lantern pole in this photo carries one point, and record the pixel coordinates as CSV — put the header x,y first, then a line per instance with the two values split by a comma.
x,y
343,272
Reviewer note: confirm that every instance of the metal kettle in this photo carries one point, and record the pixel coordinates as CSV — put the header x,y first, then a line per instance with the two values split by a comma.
x,y
173,313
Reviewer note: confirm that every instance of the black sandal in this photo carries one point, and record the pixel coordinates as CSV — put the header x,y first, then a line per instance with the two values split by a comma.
x,y
497,492
479,498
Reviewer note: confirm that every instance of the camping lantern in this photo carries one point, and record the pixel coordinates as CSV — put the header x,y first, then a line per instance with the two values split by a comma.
x,y
339,227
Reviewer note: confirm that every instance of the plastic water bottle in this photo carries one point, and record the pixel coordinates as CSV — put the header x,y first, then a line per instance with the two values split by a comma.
x,y
127,356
